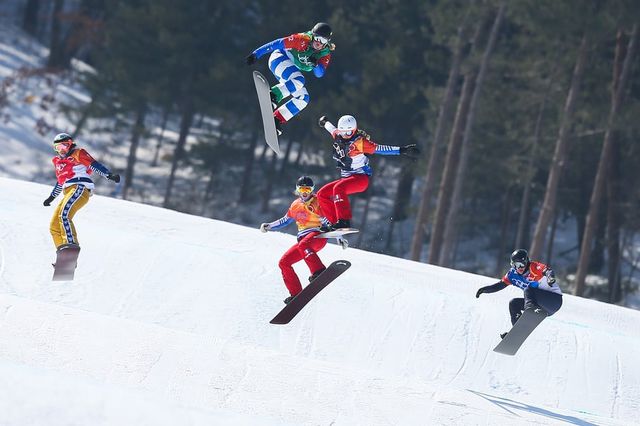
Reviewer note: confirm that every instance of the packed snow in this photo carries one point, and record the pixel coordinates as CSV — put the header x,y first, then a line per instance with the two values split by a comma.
x,y
167,322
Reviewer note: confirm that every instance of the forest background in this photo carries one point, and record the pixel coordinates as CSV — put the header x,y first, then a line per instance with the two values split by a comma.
x,y
525,113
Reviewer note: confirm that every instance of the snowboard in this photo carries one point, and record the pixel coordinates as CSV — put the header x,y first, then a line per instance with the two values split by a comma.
x,y
525,325
309,292
266,110
337,233
66,262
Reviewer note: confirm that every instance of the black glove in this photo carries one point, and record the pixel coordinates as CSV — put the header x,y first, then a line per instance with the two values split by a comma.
x,y
251,58
322,121
410,150
479,292
48,201
114,177
313,60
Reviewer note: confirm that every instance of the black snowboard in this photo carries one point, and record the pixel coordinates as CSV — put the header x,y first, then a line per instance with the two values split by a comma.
x,y
309,292
66,262
525,325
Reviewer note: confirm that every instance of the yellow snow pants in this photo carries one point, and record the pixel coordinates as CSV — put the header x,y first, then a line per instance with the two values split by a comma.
x,y
61,227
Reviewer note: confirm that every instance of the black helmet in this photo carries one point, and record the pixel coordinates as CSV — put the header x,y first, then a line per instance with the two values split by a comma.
x,y
322,29
304,181
520,258
62,137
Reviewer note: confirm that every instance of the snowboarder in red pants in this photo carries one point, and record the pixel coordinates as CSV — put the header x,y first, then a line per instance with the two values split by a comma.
x,y
351,147
306,213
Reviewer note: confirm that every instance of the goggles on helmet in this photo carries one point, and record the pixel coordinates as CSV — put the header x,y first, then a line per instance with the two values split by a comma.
x,y
304,191
63,147
518,264
323,40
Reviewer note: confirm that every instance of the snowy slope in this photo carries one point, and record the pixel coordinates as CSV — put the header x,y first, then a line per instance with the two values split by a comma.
x,y
167,323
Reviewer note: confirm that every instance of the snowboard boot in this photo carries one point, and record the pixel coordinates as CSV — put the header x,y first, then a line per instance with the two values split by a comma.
x,y
288,299
315,274
274,101
326,227
342,223
278,126
503,334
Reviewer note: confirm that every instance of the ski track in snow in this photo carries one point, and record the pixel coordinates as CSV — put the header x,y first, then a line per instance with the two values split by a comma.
x,y
172,311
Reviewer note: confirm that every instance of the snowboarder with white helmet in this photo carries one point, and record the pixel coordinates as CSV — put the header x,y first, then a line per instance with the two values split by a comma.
x,y
307,51
537,280
351,147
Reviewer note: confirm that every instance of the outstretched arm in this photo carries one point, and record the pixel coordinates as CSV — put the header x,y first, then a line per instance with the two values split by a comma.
x,y
283,222
277,44
97,167
327,125
491,288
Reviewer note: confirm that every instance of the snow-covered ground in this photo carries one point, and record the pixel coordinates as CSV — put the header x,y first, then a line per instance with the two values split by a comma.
x,y
167,322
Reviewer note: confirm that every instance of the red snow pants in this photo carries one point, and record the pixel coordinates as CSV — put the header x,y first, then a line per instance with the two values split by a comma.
x,y
306,249
334,199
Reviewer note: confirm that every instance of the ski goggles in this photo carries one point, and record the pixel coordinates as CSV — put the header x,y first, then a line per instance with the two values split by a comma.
x,y
305,191
346,133
62,147
518,265
321,39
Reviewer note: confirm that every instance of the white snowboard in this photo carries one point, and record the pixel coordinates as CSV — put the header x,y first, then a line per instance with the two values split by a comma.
x,y
263,89
337,233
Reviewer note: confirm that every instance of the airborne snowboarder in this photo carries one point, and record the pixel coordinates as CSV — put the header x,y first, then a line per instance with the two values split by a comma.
x,y
306,213
307,51
351,147
536,279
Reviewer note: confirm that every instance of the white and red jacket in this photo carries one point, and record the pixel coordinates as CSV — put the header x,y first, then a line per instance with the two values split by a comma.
x,y
76,168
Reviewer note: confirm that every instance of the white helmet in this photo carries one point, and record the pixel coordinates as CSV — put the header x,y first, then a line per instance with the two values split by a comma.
x,y
347,125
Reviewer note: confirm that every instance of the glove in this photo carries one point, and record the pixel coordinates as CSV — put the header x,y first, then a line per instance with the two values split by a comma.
x,y
409,150
551,277
343,243
479,292
313,60
264,227
114,177
322,121
48,201
250,59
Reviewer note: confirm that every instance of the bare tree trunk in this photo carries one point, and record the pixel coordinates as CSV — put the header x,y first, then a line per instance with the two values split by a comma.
x,y
56,48
86,113
552,237
523,218
435,154
266,196
185,127
165,119
613,226
603,165
138,129
614,257
557,164
451,161
248,168
452,216
296,162
403,196
365,213
504,226
30,17
285,160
